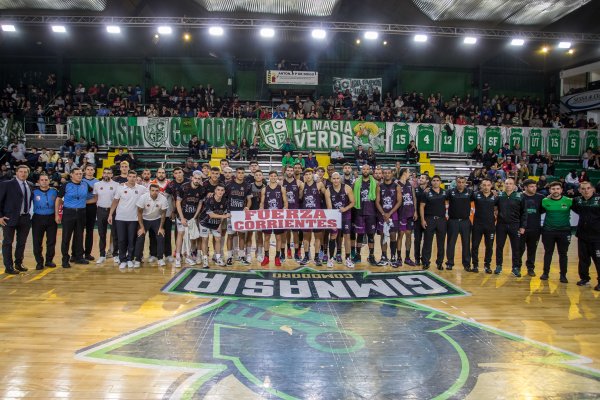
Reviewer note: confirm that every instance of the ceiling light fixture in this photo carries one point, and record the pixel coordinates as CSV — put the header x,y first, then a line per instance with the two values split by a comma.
x,y
420,38
59,29
517,42
470,40
267,32
165,30
371,35
216,31
9,28
564,45
113,29
319,34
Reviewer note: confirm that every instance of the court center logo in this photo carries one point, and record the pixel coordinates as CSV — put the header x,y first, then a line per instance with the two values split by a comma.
x,y
379,348
156,131
309,284
274,132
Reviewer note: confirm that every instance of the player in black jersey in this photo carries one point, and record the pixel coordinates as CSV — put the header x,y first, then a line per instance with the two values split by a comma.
x,y
239,196
189,202
312,199
298,171
293,190
250,177
256,189
214,212
273,197
327,183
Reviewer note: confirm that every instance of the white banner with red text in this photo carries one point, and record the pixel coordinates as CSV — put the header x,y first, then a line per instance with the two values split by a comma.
x,y
264,220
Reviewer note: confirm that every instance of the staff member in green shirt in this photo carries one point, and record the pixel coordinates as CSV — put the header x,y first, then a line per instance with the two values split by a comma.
x,y
588,232
556,229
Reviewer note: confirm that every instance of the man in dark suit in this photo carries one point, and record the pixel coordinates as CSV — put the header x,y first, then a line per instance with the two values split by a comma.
x,y
16,196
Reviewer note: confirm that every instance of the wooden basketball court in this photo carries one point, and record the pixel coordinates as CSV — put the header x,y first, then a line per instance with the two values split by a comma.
x,y
93,332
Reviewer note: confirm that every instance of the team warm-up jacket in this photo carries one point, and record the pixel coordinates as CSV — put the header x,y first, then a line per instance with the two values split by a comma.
x,y
511,209
589,216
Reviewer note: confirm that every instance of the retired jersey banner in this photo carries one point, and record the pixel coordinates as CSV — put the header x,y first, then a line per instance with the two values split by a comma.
x,y
323,135
309,78
265,220
357,85
160,131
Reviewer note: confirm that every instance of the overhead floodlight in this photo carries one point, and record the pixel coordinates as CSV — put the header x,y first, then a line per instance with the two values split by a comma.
x,y
564,45
165,30
517,42
319,34
215,31
371,35
267,32
9,28
470,40
59,28
113,29
420,38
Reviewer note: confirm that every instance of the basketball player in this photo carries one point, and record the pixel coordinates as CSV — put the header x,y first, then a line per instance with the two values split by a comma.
x,y
214,212
365,213
388,201
239,196
293,190
423,184
256,188
339,196
407,215
273,197
188,206
312,199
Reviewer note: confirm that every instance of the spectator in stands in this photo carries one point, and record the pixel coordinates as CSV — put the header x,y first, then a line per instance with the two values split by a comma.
x,y
522,170
79,93
59,167
489,158
337,157
371,158
412,153
538,160
194,147
572,181
5,173
254,148
477,153
279,113
120,157
203,113
244,147
509,167
17,157
360,156
203,149
586,157
287,161
551,164
583,176
542,186
592,124
233,151
506,151
81,144
311,161
300,160
40,119
288,146
68,146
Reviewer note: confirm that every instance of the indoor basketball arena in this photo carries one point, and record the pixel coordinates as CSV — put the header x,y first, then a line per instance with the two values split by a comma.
x,y
212,199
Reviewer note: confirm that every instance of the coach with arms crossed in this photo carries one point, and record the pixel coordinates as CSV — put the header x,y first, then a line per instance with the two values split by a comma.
x,y
15,202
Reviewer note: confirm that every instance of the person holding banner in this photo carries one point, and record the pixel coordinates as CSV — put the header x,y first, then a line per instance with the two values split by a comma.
x,y
239,196
312,196
274,197
339,196
293,189
256,188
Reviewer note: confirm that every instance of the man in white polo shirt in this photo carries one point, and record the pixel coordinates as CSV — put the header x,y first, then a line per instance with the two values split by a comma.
x,y
104,191
125,205
152,211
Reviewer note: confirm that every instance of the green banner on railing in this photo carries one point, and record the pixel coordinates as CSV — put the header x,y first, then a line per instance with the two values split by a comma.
x,y
323,135
161,132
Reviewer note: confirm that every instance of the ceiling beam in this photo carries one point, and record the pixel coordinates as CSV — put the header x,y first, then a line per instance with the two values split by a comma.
x,y
299,25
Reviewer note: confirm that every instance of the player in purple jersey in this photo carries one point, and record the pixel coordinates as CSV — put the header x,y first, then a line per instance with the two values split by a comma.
x,y
293,189
348,179
274,197
339,196
407,215
389,199
365,214
327,183
239,196
312,199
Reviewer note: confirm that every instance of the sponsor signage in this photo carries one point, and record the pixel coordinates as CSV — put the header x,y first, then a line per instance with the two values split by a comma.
x,y
311,285
589,100
309,78
260,220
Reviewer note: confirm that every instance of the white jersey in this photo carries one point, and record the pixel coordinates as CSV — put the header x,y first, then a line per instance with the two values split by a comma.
x,y
128,197
106,193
